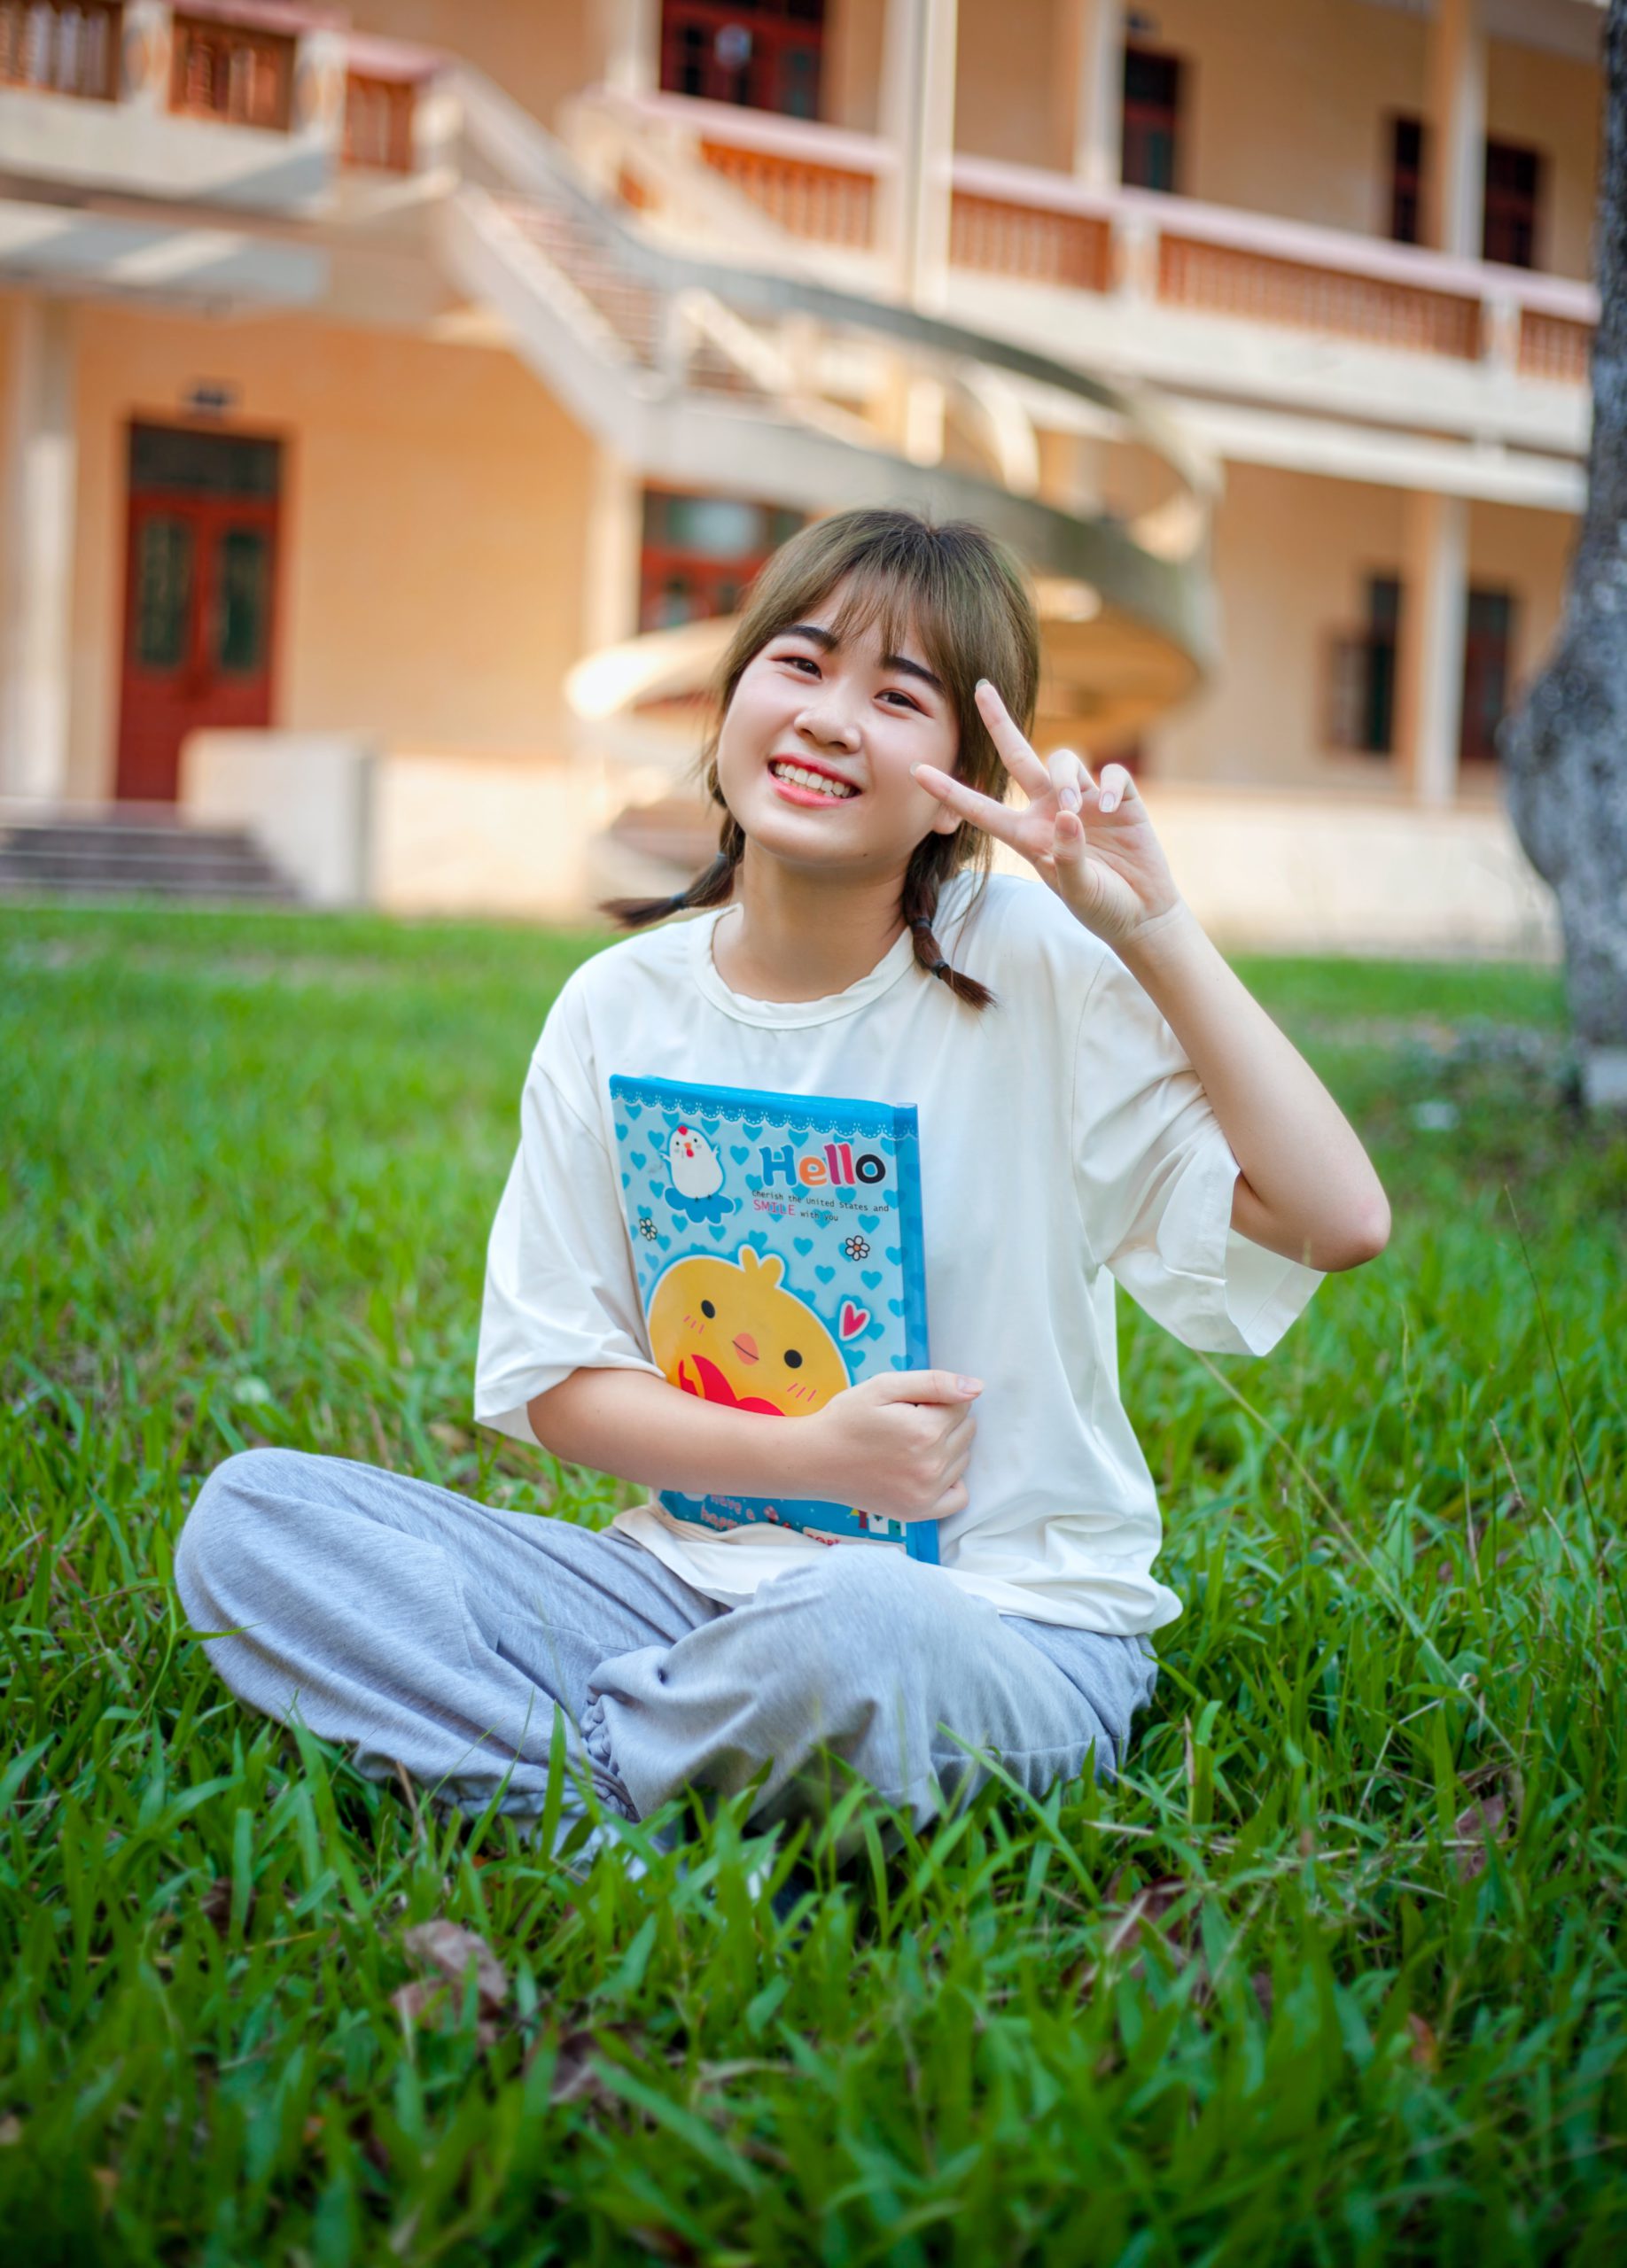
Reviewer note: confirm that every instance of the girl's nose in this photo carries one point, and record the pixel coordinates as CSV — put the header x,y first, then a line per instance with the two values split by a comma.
x,y
826,722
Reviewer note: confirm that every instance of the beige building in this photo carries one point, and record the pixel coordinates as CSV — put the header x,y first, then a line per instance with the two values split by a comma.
x,y
396,397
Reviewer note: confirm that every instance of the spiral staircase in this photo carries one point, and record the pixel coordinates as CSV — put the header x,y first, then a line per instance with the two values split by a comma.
x,y
750,371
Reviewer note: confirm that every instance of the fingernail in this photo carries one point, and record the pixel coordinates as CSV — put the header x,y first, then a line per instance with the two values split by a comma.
x,y
968,1386
1109,803
1070,799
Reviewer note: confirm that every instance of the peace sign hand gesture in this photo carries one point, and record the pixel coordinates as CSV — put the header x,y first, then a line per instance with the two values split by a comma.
x,y
1116,879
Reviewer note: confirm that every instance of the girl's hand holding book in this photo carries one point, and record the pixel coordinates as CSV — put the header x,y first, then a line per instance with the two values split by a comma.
x,y
896,1444
1090,840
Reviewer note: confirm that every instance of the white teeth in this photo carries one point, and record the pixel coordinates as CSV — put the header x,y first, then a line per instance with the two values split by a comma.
x,y
818,780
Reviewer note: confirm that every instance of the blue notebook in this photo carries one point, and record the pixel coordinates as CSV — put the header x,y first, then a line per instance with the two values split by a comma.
x,y
776,1240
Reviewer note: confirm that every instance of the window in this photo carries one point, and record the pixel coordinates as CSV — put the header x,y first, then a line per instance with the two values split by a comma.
x,y
1488,645
764,54
1513,179
63,47
1511,199
224,70
1152,105
700,553
1406,180
1362,675
379,122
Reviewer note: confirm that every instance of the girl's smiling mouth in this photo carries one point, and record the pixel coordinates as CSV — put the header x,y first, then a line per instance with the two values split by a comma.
x,y
809,783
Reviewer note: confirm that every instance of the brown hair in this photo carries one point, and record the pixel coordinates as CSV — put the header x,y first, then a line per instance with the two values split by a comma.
x,y
965,597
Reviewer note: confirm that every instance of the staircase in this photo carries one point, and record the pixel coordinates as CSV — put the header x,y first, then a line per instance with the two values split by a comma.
x,y
137,852
750,370
768,380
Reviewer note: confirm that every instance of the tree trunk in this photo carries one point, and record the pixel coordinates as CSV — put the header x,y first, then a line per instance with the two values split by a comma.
x,y
1565,749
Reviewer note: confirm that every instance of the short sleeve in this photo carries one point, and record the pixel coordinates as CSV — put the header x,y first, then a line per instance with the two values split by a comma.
x,y
1156,1176
560,1291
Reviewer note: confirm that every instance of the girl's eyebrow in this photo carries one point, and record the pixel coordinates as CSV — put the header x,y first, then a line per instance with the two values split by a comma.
x,y
914,669
891,662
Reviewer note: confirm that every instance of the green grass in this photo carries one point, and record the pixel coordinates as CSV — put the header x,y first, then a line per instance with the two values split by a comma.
x,y
1332,1975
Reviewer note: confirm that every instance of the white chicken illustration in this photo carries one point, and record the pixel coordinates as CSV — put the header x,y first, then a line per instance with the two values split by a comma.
x,y
695,1167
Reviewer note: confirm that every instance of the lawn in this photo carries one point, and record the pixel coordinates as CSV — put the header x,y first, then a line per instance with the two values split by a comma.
x,y
1333,1974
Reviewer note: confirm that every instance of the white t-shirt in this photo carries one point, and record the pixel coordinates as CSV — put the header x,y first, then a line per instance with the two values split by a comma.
x,y
1065,1142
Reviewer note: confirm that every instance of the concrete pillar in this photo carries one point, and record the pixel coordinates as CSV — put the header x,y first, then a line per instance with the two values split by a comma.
x,y
41,457
1455,150
1434,617
1090,87
615,536
917,112
917,119
630,45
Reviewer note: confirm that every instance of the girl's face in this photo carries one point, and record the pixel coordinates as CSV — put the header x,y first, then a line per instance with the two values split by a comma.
x,y
858,718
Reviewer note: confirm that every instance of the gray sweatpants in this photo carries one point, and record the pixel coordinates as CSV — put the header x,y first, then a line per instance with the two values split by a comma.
x,y
441,1634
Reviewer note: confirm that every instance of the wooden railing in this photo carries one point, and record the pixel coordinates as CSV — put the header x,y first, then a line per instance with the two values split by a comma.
x,y
61,47
234,72
1227,280
1028,241
1043,227
1554,346
830,204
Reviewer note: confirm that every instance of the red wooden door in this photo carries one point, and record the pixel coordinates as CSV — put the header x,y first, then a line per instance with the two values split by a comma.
x,y
200,584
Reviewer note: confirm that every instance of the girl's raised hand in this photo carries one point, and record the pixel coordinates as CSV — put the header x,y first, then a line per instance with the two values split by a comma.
x,y
1090,840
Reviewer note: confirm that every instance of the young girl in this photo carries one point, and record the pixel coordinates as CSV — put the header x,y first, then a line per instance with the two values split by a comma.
x,y
1100,1101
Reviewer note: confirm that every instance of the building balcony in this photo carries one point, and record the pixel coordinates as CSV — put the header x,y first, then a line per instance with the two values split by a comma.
x,y
1219,303
272,110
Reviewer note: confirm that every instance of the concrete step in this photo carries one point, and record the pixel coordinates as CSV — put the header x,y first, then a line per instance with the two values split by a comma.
x,y
139,853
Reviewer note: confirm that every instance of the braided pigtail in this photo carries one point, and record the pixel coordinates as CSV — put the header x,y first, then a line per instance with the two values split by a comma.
x,y
715,886
921,884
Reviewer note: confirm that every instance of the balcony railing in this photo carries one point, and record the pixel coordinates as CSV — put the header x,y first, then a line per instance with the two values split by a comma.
x,y
831,205
1554,346
60,47
822,184
1037,247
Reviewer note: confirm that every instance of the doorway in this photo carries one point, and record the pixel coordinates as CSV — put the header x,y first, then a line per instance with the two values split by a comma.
x,y
200,594
765,54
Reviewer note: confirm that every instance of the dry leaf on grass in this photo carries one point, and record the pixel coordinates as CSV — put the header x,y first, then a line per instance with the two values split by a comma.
x,y
445,1947
1488,1819
452,1951
576,2071
1425,2050
1142,1921
666,2244
215,1905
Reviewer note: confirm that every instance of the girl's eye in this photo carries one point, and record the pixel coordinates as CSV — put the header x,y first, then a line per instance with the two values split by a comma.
x,y
801,661
906,699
